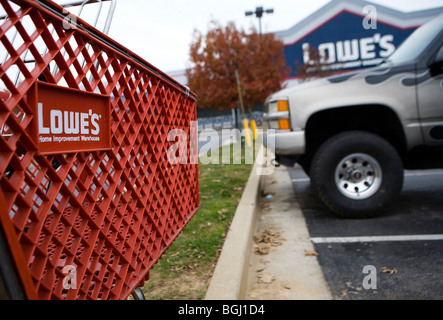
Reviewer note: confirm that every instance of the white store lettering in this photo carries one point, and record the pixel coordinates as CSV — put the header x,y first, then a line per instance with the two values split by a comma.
x,y
69,122
352,50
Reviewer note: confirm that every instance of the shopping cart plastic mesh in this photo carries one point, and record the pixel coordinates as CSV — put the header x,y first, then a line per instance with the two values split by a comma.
x,y
105,217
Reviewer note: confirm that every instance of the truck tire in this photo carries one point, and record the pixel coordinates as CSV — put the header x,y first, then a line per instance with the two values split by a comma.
x,y
356,174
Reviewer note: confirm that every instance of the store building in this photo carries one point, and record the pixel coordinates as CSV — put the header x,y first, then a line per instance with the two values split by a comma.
x,y
349,35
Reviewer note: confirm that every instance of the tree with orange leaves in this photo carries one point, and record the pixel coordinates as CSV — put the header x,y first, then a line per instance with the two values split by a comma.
x,y
216,56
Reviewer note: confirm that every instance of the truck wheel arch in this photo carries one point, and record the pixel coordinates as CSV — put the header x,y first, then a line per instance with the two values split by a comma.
x,y
378,119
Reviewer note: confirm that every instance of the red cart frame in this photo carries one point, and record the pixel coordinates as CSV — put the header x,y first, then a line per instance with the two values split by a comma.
x,y
85,223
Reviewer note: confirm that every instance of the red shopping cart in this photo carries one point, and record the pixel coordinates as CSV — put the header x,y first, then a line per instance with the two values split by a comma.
x,y
88,199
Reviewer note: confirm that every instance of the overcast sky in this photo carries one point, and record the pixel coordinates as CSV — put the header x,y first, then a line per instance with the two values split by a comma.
x,y
160,31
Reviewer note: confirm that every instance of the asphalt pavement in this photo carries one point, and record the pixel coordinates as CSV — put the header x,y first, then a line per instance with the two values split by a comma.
x,y
403,245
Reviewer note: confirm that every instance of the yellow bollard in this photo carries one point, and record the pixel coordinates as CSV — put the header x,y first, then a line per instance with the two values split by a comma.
x,y
254,129
247,134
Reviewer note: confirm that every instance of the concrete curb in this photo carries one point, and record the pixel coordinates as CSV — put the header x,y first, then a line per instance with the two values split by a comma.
x,y
229,279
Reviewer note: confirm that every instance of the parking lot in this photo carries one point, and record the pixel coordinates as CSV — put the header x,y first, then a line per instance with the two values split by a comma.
x,y
396,255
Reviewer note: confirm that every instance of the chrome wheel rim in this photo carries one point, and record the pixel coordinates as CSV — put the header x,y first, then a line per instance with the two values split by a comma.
x,y
358,176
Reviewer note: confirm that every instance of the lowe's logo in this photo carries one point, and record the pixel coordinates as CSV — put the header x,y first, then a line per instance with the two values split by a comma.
x,y
368,48
69,122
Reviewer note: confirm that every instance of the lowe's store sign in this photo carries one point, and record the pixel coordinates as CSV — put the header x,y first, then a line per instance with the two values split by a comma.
x,y
344,43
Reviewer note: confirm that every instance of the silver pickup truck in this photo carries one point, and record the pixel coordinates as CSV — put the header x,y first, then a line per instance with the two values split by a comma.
x,y
355,133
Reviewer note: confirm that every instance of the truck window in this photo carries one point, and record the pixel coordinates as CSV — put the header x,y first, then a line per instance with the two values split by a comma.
x,y
417,42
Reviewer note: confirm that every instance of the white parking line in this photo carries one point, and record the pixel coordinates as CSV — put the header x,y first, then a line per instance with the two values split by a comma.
x,y
424,173
301,180
417,237
407,174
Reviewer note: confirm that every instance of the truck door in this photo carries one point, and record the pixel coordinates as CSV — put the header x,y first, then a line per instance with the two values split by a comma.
x,y
430,101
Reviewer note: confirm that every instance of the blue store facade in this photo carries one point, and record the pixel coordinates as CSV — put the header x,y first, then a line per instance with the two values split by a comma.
x,y
349,35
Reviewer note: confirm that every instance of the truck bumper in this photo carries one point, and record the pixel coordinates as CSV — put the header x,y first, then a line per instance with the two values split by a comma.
x,y
285,142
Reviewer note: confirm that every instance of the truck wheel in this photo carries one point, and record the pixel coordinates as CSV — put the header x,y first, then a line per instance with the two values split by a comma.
x,y
356,174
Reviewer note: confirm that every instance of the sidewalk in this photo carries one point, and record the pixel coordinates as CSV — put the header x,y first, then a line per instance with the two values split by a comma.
x,y
268,254
282,264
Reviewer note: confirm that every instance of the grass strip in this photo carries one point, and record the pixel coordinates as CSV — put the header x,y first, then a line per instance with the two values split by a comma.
x,y
184,271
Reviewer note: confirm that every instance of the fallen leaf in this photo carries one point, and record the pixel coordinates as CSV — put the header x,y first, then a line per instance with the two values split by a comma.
x,y
261,249
221,215
265,206
387,270
311,253
270,237
266,278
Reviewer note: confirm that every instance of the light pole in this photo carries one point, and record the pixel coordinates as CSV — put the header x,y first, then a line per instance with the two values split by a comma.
x,y
259,14
259,11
